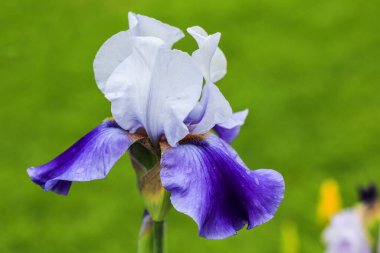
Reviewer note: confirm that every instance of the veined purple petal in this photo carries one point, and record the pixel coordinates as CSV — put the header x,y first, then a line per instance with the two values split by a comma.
x,y
230,129
218,192
90,158
219,143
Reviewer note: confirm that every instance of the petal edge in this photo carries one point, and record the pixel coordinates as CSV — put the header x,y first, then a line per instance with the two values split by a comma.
x,y
216,191
90,158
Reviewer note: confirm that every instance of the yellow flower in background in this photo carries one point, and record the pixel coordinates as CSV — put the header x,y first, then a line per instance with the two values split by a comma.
x,y
330,201
290,237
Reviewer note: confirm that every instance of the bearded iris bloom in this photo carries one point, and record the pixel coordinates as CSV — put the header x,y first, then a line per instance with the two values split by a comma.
x,y
347,234
348,230
165,106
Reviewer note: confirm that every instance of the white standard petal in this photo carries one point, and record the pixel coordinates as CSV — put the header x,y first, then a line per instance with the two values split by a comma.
x,y
237,119
149,27
204,55
110,55
156,88
217,67
216,109
213,107
117,48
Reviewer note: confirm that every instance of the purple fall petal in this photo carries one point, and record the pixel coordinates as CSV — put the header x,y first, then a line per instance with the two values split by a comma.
x,y
90,158
230,129
217,142
216,190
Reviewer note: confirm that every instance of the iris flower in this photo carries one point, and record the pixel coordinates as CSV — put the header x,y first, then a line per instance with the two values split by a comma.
x,y
166,101
348,230
347,234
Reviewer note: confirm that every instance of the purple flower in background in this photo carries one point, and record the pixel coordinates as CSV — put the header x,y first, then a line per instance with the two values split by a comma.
x,y
346,234
168,100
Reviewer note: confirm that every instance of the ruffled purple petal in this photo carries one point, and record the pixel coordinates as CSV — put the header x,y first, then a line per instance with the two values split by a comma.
x,y
217,142
230,129
90,158
216,190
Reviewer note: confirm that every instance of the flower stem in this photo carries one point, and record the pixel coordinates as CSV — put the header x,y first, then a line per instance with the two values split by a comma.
x,y
158,236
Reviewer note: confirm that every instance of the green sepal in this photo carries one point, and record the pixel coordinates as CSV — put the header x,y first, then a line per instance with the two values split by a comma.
x,y
156,198
146,163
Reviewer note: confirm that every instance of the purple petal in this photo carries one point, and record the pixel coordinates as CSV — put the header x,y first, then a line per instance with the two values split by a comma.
x,y
230,129
221,144
90,158
218,192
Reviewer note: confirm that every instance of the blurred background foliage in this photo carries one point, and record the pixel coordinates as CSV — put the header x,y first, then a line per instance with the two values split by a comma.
x,y
307,70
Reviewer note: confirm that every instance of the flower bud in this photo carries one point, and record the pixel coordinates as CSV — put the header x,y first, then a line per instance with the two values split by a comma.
x,y
156,198
146,162
145,241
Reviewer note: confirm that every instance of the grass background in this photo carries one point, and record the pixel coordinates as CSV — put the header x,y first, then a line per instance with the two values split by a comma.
x,y
307,70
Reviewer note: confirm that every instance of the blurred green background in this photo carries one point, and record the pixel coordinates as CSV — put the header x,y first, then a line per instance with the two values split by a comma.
x,y
307,70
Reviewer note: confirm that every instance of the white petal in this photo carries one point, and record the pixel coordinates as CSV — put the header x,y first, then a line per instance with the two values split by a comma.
x,y
217,67
204,55
117,48
213,107
132,19
155,87
146,26
216,109
237,119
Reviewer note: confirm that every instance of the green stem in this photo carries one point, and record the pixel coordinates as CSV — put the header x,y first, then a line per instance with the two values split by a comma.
x,y
158,236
